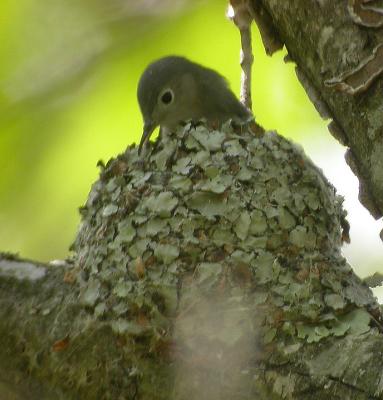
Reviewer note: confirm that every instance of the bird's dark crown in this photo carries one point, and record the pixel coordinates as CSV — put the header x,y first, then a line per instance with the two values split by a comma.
x,y
160,72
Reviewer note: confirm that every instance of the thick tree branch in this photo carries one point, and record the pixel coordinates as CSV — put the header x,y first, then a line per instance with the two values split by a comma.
x,y
210,270
336,48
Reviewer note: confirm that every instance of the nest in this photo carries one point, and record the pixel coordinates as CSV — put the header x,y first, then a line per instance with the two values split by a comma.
x,y
212,213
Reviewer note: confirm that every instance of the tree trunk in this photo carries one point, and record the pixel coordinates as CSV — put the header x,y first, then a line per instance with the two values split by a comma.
x,y
338,49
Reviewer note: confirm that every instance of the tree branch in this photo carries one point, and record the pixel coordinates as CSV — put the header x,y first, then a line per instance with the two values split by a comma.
x,y
333,51
210,270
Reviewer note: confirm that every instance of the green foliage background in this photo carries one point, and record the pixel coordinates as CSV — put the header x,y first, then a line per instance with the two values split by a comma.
x,y
68,76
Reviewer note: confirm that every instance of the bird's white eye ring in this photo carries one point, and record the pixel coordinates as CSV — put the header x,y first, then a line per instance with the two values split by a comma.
x,y
167,96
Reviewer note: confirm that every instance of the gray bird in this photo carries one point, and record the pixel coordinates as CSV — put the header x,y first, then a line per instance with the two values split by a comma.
x,y
174,89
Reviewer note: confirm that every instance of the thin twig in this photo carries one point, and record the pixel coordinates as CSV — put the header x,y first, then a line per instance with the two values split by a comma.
x,y
240,12
247,60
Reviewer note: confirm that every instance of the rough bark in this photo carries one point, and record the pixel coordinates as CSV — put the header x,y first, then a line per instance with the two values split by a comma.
x,y
337,48
209,270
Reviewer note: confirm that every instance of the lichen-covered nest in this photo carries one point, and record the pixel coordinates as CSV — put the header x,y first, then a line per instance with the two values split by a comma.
x,y
218,211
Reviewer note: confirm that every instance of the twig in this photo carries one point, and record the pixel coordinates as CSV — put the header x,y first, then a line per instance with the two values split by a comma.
x,y
240,12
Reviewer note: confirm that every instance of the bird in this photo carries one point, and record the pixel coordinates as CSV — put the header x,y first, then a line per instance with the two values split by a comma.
x,y
174,89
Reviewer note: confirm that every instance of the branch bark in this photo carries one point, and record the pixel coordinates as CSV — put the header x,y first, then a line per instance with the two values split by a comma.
x,y
336,46
210,270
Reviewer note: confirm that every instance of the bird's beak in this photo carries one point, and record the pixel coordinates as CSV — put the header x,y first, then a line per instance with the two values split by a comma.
x,y
148,130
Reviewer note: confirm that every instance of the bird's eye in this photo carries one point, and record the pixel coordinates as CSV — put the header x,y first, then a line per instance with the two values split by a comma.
x,y
167,96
